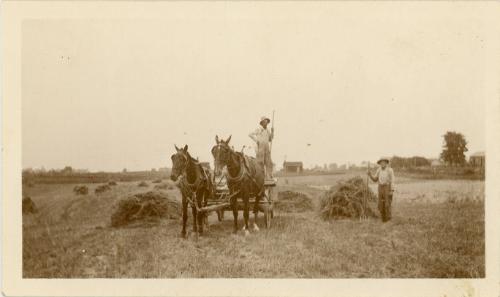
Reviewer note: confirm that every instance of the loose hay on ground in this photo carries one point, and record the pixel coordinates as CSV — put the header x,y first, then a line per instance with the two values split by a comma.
x,y
112,183
28,206
102,188
290,201
162,186
156,181
81,190
346,200
142,184
152,205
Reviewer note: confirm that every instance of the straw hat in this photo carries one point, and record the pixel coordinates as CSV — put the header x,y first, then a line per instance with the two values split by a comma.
x,y
264,118
383,159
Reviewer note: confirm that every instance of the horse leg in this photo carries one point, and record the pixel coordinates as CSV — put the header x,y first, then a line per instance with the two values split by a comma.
x,y
184,217
256,212
205,221
234,205
195,217
200,217
246,212
205,214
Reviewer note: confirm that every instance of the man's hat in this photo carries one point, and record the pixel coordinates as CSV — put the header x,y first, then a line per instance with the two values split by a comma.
x,y
265,119
383,159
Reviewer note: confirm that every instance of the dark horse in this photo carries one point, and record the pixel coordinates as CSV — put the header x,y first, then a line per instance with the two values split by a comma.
x,y
195,184
245,179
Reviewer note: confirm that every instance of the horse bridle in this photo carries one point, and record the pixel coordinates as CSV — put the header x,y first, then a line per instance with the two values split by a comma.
x,y
185,164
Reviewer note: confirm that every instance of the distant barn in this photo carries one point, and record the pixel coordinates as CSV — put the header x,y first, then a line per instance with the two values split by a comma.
x,y
477,159
293,167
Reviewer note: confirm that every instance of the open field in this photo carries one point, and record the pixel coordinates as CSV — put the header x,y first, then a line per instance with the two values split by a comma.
x,y
437,231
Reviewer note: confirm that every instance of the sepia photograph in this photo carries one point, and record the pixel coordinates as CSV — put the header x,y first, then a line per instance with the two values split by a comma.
x,y
251,140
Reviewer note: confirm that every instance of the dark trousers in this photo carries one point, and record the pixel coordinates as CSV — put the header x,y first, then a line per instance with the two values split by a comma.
x,y
384,201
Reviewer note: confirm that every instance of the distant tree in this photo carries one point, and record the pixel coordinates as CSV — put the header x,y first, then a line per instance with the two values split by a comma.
x,y
454,148
28,170
420,161
67,170
124,170
41,170
400,162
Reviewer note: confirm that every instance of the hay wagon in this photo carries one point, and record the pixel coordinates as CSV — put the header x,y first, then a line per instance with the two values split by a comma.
x,y
221,201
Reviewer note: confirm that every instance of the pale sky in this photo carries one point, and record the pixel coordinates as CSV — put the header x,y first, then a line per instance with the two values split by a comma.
x,y
114,94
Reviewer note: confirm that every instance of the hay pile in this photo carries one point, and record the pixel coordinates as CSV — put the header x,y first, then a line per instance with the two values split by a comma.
x,y
81,190
112,183
101,189
346,200
290,201
152,205
28,206
142,184
156,181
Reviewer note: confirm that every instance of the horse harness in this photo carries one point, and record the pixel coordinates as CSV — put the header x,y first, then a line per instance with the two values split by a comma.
x,y
190,190
244,172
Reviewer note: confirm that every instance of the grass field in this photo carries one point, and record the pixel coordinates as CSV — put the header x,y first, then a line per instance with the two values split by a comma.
x,y
437,231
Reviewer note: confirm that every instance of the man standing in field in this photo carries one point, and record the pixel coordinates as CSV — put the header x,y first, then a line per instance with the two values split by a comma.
x,y
263,137
385,178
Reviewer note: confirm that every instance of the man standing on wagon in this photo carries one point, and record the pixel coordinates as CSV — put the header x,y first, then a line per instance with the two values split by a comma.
x,y
263,137
385,178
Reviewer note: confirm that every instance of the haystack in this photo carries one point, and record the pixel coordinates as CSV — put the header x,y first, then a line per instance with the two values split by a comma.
x,y
112,183
347,200
152,205
290,201
142,184
156,181
101,189
81,190
28,206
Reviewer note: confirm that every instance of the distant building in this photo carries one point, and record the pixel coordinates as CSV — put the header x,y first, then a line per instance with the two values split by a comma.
x,y
477,159
293,167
